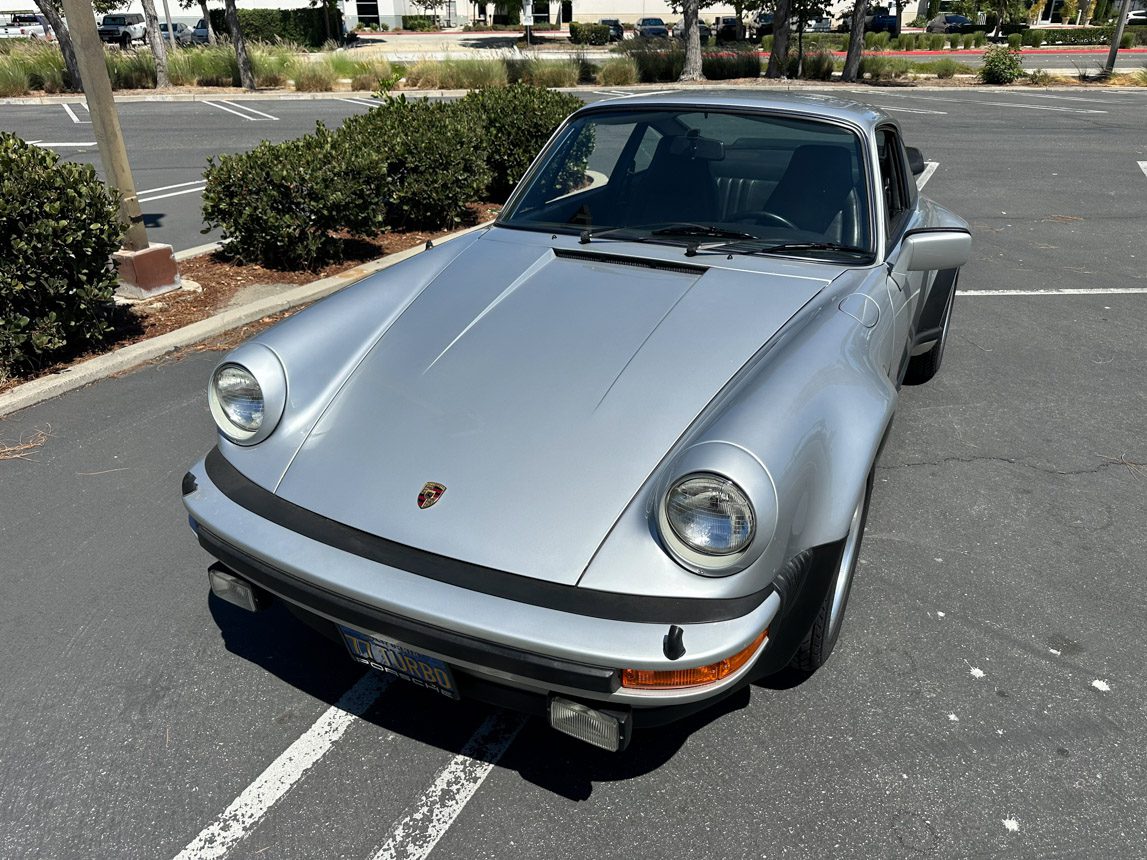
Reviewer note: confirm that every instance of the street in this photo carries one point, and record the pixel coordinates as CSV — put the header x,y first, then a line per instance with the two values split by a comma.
x,y
986,697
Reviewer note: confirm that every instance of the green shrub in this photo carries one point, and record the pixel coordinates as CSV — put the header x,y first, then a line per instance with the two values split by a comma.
x,y
946,68
767,43
978,39
818,66
431,153
347,65
617,72
272,64
456,74
936,42
1014,41
60,225
882,41
869,40
546,73
1127,41
654,66
515,123
419,23
206,66
1039,78
312,77
729,65
1140,77
589,34
969,40
280,203
13,79
300,26
877,67
1001,65
954,41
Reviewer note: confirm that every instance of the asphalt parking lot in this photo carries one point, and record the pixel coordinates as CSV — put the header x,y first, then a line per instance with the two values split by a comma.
x,y
986,698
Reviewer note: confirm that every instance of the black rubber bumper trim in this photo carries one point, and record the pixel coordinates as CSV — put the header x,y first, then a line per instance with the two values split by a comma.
x,y
547,670
634,608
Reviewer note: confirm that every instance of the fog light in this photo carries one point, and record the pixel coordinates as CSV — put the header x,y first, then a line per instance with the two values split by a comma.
x,y
235,590
610,731
652,679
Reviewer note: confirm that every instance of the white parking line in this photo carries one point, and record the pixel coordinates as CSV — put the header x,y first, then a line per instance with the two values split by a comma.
x,y
237,820
1143,167
416,835
1055,108
52,144
68,109
238,110
916,110
172,194
1069,291
169,187
929,169
359,102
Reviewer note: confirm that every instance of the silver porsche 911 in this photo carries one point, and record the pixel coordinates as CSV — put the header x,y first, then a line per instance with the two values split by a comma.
x,y
609,459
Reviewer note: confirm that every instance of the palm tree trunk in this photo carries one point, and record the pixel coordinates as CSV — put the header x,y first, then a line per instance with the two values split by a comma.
x,y
246,73
155,42
855,42
50,11
690,12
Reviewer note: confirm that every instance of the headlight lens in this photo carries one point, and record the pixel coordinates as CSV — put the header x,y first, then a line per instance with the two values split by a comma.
x,y
239,396
710,515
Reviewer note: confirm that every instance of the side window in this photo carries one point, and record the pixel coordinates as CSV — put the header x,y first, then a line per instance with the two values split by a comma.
x,y
893,183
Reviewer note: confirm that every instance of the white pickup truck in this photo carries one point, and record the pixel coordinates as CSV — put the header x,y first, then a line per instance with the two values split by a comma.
x,y
26,25
122,29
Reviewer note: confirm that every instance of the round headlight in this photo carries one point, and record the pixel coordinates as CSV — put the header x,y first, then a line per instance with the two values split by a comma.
x,y
239,396
710,515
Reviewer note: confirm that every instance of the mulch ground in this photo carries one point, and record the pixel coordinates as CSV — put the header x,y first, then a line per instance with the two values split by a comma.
x,y
221,278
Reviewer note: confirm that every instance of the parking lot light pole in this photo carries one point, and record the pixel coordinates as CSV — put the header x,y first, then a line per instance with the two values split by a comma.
x,y
144,269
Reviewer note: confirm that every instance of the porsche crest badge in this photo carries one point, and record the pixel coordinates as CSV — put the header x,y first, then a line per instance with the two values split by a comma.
x,y
431,492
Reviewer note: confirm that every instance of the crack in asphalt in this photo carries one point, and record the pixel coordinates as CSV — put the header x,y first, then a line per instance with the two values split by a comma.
x,y
1135,468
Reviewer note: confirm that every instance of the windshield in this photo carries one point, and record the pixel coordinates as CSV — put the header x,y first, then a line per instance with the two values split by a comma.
x,y
754,181
115,20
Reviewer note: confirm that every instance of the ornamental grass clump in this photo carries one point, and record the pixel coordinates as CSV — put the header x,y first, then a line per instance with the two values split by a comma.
x,y
13,77
312,77
456,74
617,72
58,226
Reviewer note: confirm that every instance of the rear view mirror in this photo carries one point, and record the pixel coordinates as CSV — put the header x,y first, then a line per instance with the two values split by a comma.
x,y
915,160
934,249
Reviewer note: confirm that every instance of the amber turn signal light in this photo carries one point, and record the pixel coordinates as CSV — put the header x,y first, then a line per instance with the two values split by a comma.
x,y
653,679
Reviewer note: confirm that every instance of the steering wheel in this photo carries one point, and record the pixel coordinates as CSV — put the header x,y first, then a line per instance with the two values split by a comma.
x,y
763,215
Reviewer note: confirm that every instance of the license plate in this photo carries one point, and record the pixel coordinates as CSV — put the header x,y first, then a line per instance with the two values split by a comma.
x,y
397,659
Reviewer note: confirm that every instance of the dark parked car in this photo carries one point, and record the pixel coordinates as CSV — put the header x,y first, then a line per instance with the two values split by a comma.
x,y
199,32
705,32
616,31
948,24
727,28
883,22
652,28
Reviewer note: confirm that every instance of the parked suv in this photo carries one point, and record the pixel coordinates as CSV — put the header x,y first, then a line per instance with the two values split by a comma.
x,y
702,28
616,31
652,28
122,29
948,24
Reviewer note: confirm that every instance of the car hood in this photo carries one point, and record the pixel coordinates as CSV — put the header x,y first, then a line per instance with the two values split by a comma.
x,y
541,387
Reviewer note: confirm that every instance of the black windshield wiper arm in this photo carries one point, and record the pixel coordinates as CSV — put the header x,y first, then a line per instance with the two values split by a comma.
x,y
605,232
706,230
785,247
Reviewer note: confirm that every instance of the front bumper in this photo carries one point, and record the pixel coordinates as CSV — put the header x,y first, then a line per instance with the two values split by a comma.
x,y
508,651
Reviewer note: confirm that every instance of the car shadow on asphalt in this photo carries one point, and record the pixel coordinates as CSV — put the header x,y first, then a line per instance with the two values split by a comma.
x,y
304,658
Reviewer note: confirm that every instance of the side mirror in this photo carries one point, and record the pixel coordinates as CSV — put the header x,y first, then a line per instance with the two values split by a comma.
x,y
933,249
915,160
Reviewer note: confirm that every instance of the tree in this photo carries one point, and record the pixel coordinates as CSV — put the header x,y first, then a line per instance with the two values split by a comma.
x,y
779,57
202,4
246,73
855,41
52,10
155,42
691,10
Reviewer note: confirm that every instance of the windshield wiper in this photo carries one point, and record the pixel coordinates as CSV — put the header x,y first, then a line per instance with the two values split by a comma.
x,y
706,230
605,232
785,247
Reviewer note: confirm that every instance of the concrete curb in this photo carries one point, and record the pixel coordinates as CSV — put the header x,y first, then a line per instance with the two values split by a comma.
x,y
128,357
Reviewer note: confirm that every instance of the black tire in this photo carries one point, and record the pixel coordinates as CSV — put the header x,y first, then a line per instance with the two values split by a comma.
x,y
821,638
921,368
125,42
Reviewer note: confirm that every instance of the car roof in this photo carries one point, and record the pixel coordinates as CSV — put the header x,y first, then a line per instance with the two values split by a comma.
x,y
811,104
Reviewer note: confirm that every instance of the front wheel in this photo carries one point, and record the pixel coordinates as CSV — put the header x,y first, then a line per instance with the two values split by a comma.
x,y
821,637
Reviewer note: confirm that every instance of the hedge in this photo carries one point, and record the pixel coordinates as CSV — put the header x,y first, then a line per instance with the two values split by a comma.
x,y
303,26
589,34
58,226
1088,35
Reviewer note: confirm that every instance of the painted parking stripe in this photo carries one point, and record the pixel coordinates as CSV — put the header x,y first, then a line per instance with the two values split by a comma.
x,y
1143,167
53,144
1055,108
197,190
239,111
915,110
237,820
1069,291
929,169
432,814
250,109
68,110
169,187
359,102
